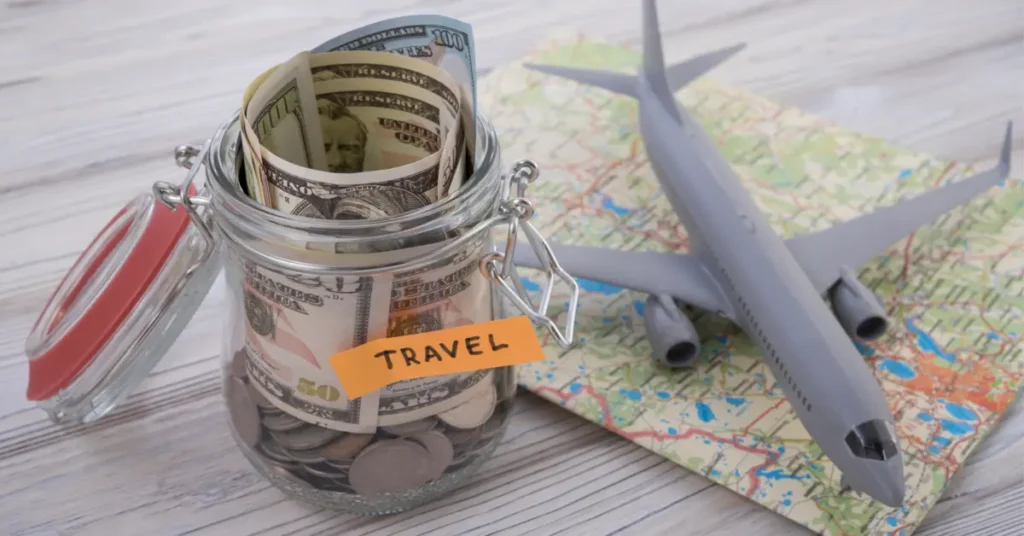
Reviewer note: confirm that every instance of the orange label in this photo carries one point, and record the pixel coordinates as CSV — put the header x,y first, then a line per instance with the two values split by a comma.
x,y
497,343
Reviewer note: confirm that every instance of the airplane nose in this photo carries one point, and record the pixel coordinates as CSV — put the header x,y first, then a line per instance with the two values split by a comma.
x,y
893,491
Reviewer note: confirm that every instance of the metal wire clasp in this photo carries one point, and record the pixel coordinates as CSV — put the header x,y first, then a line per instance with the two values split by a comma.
x,y
171,195
500,267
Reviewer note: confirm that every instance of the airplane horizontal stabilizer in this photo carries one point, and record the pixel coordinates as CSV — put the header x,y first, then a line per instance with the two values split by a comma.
x,y
619,83
686,71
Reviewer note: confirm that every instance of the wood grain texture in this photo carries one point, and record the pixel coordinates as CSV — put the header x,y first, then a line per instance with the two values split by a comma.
x,y
95,94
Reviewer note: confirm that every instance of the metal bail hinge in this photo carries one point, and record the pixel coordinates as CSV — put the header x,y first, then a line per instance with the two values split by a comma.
x,y
171,195
500,267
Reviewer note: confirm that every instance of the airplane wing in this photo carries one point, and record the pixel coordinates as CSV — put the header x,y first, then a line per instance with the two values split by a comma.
x,y
854,242
683,277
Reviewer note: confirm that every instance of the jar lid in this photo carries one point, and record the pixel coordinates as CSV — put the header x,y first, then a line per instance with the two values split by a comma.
x,y
118,309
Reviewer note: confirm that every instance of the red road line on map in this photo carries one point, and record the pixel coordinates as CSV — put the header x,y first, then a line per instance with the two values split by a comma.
x,y
774,407
906,258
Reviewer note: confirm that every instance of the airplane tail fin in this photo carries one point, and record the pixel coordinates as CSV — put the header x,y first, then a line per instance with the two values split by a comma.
x,y
658,76
1006,153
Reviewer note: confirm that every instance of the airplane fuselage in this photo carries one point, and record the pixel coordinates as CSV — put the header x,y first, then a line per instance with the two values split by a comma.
x,y
810,355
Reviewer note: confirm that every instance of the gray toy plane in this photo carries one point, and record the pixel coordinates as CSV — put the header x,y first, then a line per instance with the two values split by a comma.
x,y
771,287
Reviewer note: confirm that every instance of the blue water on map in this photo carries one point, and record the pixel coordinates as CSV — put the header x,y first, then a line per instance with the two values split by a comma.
x,y
631,394
777,474
993,336
891,521
899,369
663,395
736,401
610,205
594,286
955,428
960,412
934,450
925,417
639,306
529,284
704,412
672,431
906,173
944,441
926,343
575,387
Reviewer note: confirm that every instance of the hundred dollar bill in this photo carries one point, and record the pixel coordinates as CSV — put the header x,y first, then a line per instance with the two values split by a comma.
x,y
389,175
293,326
441,41
449,293
282,115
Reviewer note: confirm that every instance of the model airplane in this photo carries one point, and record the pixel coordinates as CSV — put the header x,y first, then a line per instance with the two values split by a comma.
x,y
771,287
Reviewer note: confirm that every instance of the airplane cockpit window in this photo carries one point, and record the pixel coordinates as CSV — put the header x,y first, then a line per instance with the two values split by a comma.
x,y
874,440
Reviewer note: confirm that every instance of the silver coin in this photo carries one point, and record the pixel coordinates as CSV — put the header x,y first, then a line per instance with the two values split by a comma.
x,y
260,400
305,438
243,412
344,465
390,466
285,473
270,411
288,466
412,427
345,447
493,425
325,471
281,422
305,456
440,449
472,412
462,437
273,451
238,365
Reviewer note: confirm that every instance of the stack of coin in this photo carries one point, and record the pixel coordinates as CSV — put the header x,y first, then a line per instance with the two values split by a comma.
x,y
393,459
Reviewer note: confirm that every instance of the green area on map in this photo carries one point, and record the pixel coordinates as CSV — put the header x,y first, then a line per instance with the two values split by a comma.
x,y
950,364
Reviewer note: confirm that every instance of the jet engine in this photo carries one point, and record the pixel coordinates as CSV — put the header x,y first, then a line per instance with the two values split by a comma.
x,y
673,339
857,308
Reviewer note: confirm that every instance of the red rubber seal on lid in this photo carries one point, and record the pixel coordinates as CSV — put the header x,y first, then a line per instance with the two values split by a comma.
x,y
61,363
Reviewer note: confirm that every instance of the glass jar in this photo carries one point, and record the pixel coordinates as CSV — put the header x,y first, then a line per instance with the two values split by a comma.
x,y
299,290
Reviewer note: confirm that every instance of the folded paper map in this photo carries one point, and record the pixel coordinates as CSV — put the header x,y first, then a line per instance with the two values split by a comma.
x,y
950,365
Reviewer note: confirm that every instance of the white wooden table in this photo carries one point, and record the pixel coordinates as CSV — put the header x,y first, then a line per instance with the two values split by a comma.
x,y
95,94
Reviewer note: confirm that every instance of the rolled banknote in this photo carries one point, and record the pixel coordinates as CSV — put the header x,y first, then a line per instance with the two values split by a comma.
x,y
375,135
441,41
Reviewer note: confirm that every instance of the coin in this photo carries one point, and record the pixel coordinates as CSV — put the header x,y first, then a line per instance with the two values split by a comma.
x,y
305,456
390,466
281,422
411,427
305,438
462,437
493,425
325,471
439,448
243,412
472,412
343,464
345,447
260,400
273,451
238,365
